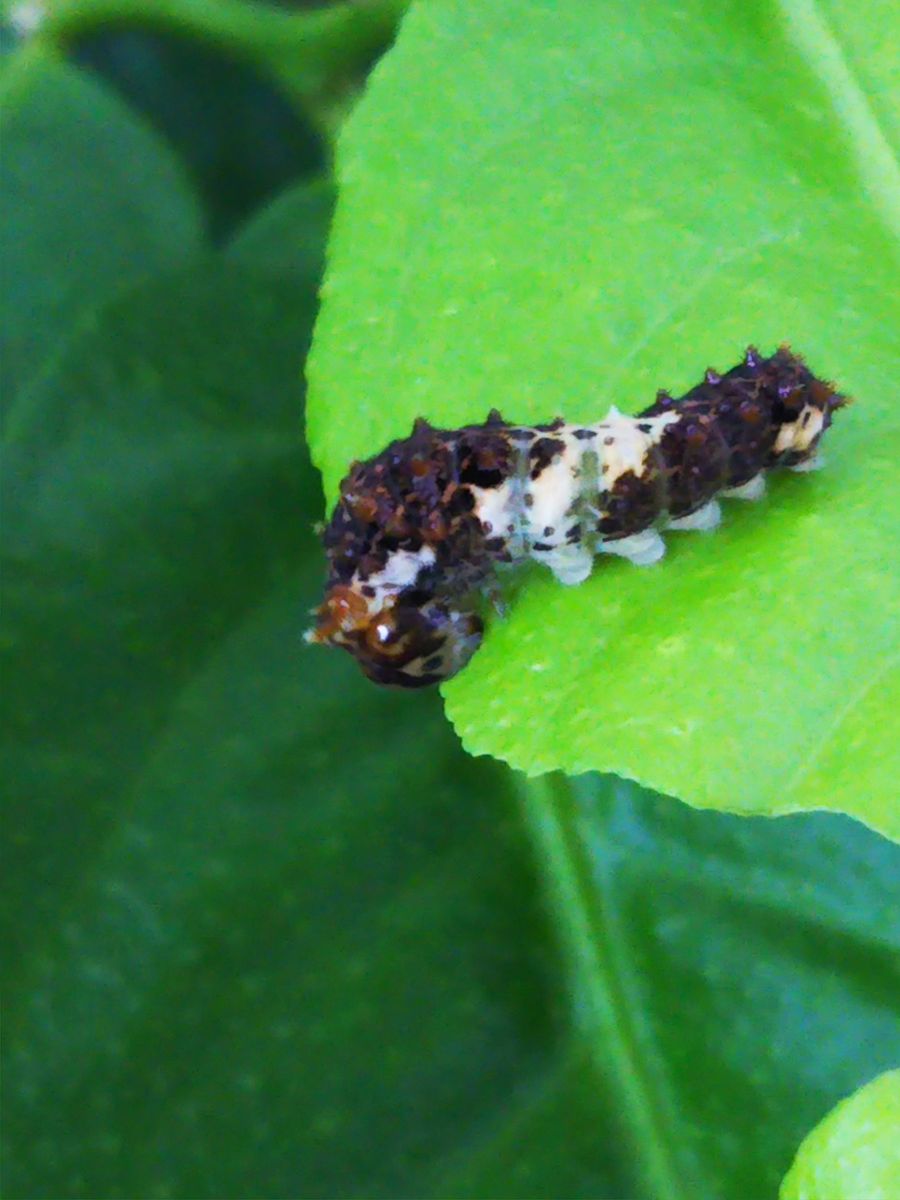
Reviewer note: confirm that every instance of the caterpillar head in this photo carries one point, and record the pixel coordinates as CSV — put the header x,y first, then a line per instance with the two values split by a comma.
x,y
404,642
400,519
803,409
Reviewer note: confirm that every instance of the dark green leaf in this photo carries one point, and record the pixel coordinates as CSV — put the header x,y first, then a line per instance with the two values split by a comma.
x,y
241,884
288,235
730,976
92,201
239,137
155,489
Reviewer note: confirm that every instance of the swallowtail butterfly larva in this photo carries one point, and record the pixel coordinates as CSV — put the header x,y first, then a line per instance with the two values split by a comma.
x,y
419,529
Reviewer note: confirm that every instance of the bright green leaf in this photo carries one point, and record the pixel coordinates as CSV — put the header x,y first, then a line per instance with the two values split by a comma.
x,y
572,207
92,202
854,1152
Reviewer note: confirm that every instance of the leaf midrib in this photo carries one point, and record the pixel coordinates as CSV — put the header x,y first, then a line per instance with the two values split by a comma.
x,y
605,1009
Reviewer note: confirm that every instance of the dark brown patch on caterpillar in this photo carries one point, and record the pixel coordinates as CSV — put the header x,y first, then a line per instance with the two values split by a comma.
x,y
542,453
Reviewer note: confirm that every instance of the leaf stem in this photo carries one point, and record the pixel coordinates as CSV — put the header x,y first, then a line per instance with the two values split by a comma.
x,y
606,1005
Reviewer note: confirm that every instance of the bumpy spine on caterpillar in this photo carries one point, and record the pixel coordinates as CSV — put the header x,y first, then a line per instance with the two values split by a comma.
x,y
419,528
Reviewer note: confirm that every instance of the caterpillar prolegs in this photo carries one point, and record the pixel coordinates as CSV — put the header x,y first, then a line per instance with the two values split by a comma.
x,y
419,529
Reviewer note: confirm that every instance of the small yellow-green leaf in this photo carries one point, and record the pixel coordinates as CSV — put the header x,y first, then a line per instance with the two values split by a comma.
x,y
854,1154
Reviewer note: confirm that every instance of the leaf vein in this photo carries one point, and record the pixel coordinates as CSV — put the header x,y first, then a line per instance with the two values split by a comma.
x,y
805,767
875,160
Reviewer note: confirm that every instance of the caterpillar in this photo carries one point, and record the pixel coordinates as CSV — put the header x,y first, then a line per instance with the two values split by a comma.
x,y
419,529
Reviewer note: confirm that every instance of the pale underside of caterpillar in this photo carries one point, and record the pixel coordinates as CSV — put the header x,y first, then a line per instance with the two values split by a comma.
x,y
419,530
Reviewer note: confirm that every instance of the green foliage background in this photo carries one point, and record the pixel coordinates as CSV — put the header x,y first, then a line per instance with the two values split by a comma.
x,y
269,931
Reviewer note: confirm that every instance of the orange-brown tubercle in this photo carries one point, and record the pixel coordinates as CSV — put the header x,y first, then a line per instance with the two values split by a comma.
x,y
343,611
